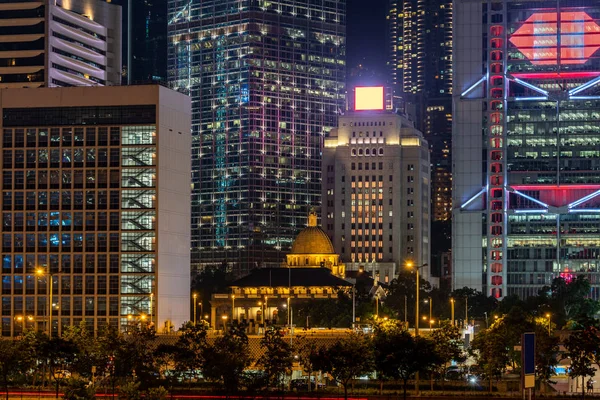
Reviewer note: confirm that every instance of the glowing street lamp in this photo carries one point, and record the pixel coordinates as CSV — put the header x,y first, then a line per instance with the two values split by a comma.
x,y
224,318
40,272
195,296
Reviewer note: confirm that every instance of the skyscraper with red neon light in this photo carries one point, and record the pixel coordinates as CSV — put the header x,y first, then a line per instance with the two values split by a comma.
x,y
526,144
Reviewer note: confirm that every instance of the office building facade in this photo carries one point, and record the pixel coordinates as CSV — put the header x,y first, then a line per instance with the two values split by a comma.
x,y
420,70
525,145
376,188
95,200
59,43
144,41
267,83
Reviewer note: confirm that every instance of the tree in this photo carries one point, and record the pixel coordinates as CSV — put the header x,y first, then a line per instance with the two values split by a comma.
x,y
345,359
581,348
189,348
277,359
33,343
111,352
478,303
227,358
211,279
307,351
138,352
59,355
79,389
87,352
546,353
402,289
12,362
398,355
448,346
490,350
570,300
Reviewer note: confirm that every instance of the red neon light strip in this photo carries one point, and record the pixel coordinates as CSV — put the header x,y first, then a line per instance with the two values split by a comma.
x,y
556,75
555,187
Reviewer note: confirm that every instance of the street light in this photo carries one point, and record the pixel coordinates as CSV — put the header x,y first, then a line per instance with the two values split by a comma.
x,y
23,319
410,265
430,301
224,318
151,308
195,296
20,319
549,320
452,309
232,307
41,272
266,311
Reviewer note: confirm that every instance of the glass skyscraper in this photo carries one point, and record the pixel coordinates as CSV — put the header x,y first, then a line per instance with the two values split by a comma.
x,y
267,84
526,144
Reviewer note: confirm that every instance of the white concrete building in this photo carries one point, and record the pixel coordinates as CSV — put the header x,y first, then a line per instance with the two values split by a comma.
x,y
59,43
376,195
96,198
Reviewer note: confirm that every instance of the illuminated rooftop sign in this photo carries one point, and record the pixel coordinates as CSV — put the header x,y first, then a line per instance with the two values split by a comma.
x,y
368,98
538,40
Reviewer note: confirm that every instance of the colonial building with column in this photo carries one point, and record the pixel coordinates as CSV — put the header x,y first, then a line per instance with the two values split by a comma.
x,y
312,270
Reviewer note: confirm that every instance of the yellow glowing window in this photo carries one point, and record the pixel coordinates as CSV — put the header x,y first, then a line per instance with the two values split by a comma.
x,y
368,98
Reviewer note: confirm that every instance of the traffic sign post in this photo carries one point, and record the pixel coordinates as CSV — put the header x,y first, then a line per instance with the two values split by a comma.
x,y
528,363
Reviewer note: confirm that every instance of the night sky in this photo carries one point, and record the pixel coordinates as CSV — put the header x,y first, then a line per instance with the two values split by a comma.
x,y
366,34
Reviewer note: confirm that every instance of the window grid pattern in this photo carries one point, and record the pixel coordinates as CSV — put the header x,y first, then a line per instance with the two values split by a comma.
x,y
78,203
267,82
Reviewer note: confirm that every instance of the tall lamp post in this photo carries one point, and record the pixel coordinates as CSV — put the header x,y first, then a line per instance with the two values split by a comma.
x,y
405,310
232,307
49,275
430,306
195,296
548,316
410,265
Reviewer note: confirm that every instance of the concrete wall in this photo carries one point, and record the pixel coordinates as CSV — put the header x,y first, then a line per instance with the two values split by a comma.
x,y
467,146
173,208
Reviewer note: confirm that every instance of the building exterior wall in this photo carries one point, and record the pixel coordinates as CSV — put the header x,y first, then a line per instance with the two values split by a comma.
x,y
93,185
62,43
267,82
532,177
376,204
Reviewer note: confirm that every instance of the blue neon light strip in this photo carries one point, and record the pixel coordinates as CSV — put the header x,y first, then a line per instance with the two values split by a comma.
x,y
585,210
532,87
532,199
466,92
473,198
587,85
530,98
531,211
584,199
584,97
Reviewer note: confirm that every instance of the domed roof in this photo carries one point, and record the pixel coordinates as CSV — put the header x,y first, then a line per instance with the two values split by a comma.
x,y
312,240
